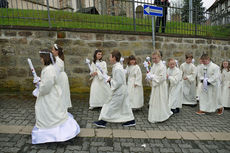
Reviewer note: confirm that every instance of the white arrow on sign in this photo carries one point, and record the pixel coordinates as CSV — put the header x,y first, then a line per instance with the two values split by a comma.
x,y
148,10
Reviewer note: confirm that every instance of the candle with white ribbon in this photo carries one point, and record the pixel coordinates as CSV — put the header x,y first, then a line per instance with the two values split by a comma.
x,y
146,65
36,78
32,68
148,59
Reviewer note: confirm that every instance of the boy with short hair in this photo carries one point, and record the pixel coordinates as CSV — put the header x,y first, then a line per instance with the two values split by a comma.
x,y
209,97
117,109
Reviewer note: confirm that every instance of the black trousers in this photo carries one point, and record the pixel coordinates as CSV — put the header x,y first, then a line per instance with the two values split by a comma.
x,y
163,24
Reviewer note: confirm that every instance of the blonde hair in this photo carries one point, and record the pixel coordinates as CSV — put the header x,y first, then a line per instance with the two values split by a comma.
x,y
157,53
170,59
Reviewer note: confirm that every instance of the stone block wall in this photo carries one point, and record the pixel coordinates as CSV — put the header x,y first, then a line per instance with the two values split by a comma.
x,y
18,45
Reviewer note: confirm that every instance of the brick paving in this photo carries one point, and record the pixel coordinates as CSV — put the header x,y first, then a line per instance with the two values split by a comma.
x,y
19,110
22,143
185,132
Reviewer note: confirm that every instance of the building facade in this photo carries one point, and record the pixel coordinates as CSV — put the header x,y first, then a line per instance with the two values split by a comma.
x,y
104,7
219,12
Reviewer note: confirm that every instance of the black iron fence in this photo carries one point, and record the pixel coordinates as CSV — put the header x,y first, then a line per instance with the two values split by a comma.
x,y
121,15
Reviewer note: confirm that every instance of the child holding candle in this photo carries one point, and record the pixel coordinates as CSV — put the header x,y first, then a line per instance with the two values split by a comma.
x,y
53,123
99,90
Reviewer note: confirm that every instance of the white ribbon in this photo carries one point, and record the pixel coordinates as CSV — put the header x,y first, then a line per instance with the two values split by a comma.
x,y
52,59
104,75
122,61
177,63
205,81
193,61
55,46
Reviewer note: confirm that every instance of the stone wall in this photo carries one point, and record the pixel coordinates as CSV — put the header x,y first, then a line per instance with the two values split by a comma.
x,y
18,45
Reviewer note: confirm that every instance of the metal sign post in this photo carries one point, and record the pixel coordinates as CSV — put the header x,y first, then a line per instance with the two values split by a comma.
x,y
153,32
153,11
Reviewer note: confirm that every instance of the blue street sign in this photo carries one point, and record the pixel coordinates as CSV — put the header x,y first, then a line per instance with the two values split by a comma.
x,y
153,10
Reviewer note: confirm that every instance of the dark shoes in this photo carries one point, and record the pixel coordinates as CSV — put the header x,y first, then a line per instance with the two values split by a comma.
x,y
100,123
129,123
177,110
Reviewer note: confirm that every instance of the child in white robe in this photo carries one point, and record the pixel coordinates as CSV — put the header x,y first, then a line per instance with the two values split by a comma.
x,y
225,77
159,110
99,90
135,88
209,97
188,81
63,80
53,123
174,77
117,109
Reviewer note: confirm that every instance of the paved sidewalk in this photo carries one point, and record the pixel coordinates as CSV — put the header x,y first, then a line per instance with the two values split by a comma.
x,y
19,111
185,132
135,134
11,143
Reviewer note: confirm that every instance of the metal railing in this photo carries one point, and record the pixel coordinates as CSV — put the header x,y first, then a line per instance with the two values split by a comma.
x,y
121,15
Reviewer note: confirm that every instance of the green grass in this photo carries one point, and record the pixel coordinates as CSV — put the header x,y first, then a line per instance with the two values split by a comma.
x,y
63,19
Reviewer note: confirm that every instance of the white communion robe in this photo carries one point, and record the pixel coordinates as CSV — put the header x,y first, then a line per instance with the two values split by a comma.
x,y
53,123
199,84
63,81
189,85
175,87
135,94
209,100
225,88
99,90
159,110
117,109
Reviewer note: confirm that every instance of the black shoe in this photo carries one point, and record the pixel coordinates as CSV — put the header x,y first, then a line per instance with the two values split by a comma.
x,y
193,105
129,123
173,110
177,110
100,123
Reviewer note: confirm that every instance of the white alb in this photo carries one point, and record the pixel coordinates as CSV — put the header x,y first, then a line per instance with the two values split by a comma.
x,y
135,93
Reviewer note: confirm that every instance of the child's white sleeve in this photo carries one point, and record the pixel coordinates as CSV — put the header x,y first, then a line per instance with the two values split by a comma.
x,y
192,76
214,77
159,77
47,82
138,79
175,79
117,80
